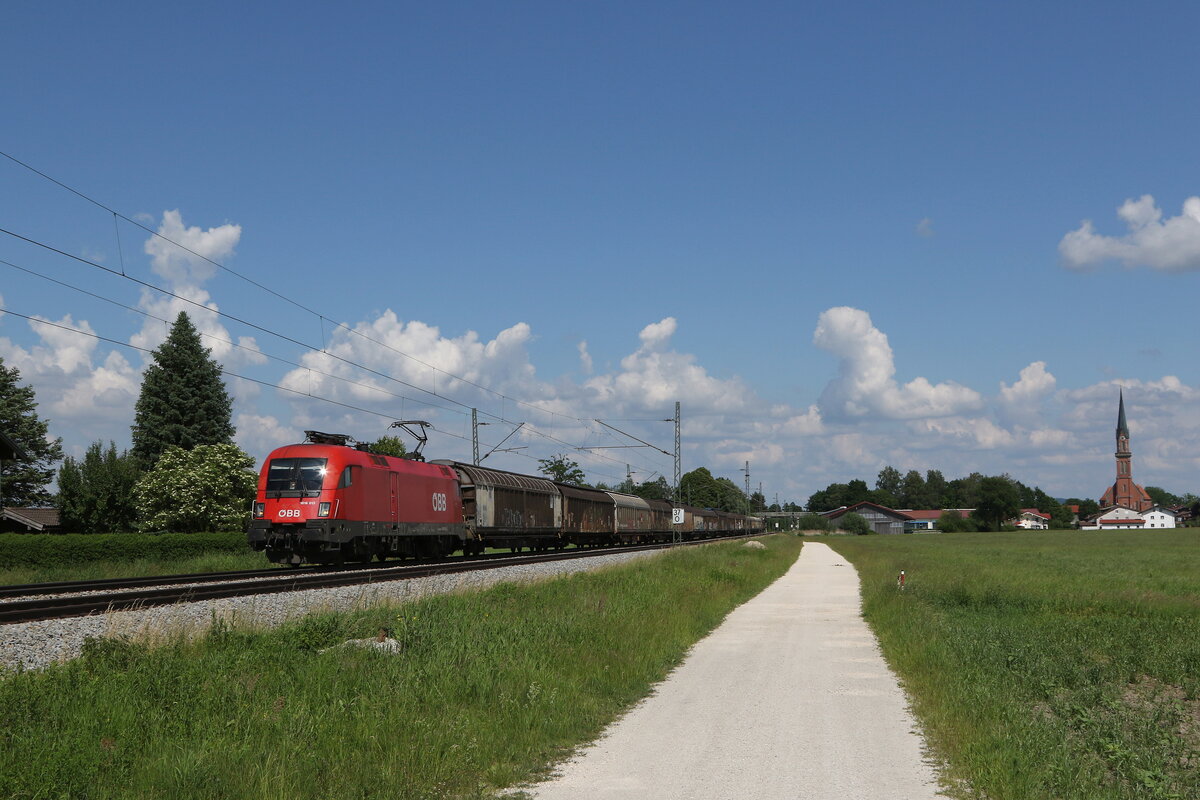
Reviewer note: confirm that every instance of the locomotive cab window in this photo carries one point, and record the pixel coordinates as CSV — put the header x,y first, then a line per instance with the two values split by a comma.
x,y
348,477
296,477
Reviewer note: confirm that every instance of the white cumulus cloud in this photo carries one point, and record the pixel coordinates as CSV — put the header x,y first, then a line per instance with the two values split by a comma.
x,y
866,387
68,380
1034,383
585,358
1170,245
185,273
181,260
654,377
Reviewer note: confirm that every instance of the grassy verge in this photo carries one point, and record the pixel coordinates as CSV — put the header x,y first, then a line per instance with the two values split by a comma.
x,y
490,688
1046,665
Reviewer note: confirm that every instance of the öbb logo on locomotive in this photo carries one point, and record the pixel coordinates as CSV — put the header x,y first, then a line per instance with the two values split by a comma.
x,y
327,501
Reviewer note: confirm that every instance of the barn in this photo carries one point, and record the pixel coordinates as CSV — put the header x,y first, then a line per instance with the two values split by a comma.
x,y
882,518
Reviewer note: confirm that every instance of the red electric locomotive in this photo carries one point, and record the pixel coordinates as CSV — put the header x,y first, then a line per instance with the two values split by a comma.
x,y
326,502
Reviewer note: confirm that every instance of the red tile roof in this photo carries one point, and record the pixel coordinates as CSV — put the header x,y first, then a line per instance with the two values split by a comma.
x,y
935,513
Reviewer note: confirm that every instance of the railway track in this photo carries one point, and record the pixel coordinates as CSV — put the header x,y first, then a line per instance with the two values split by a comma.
x,y
117,584
137,593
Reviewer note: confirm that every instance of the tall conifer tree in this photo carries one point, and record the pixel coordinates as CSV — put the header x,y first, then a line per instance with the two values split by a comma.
x,y
183,400
23,481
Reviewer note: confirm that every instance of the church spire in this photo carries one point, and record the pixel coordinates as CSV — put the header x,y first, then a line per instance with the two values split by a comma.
x,y
1124,491
1122,428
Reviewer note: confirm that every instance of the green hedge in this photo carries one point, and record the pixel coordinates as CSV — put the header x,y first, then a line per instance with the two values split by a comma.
x,y
49,550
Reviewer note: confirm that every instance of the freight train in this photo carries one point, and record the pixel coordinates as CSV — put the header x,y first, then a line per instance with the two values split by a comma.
x,y
326,501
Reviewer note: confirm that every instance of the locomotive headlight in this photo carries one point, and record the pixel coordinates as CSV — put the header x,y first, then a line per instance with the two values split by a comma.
x,y
323,510
260,510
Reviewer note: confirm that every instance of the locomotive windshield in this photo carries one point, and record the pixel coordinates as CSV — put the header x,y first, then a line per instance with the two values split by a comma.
x,y
296,477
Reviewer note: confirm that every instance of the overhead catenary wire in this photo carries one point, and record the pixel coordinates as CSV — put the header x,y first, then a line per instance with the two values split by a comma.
x,y
229,342
232,374
263,383
275,293
284,337
321,317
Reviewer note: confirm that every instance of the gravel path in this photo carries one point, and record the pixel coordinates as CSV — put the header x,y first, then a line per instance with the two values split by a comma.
x,y
788,698
32,645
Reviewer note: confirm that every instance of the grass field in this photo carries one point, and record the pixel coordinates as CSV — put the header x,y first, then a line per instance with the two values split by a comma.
x,y
491,687
1046,664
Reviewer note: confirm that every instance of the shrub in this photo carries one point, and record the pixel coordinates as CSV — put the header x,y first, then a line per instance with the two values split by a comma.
x,y
35,550
813,522
855,523
952,522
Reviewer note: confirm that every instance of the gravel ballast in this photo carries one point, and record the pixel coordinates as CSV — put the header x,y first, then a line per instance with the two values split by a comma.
x,y
32,645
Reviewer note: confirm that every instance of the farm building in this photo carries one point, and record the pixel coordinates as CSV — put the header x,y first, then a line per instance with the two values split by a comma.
x,y
29,520
926,519
882,518
1126,518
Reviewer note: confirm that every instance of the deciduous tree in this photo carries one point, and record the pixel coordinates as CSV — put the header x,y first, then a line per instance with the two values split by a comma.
x,y
95,495
563,469
207,488
657,489
935,488
999,501
1162,497
888,481
913,492
389,446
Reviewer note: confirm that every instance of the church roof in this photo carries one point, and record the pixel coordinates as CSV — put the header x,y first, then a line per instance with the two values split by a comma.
x,y
1122,427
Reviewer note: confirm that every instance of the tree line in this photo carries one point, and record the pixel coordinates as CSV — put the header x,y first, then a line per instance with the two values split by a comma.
x,y
995,498
698,488
182,473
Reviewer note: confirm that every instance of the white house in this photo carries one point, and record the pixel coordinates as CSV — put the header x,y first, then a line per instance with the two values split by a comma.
x,y
1032,520
1159,517
1115,518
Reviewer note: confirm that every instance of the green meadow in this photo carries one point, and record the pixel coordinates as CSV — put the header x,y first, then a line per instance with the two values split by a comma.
x,y
490,689
1060,664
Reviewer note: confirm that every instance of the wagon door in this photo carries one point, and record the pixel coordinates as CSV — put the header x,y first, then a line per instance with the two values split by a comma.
x,y
394,483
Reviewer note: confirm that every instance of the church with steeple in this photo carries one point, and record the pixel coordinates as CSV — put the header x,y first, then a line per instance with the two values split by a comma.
x,y
1125,492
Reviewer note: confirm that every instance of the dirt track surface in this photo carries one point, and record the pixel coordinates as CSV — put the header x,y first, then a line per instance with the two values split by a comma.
x,y
788,698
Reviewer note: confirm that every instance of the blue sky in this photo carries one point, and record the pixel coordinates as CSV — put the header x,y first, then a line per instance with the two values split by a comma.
x,y
842,237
